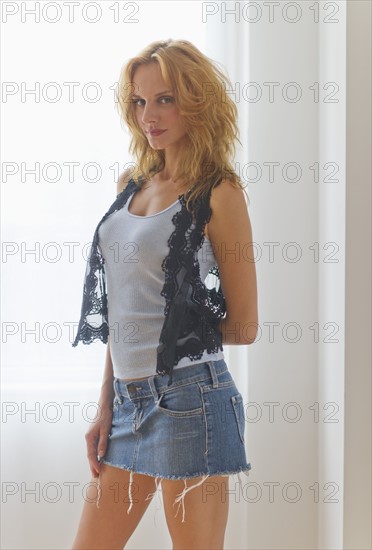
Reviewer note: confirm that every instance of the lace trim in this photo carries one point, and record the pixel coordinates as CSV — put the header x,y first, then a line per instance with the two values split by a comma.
x,y
93,322
192,311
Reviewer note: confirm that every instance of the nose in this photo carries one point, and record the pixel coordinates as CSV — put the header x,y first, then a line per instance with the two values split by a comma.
x,y
149,114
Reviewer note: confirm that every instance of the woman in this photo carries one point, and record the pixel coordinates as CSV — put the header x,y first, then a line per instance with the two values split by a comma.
x,y
171,412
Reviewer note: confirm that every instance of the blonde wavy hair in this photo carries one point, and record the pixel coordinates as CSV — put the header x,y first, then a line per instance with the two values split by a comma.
x,y
209,115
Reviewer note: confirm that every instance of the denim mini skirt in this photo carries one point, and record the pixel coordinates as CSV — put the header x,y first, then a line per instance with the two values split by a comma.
x,y
194,427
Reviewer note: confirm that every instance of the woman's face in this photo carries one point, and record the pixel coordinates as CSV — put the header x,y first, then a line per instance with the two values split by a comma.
x,y
154,107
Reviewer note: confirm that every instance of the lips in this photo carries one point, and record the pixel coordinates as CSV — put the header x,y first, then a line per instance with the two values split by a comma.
x,y
156,132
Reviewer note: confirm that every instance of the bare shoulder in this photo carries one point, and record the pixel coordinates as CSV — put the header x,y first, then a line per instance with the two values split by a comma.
x,y
227,192
229,207
124,179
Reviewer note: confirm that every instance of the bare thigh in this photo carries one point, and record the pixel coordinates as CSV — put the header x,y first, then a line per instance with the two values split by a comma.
x,y
109,526
206,512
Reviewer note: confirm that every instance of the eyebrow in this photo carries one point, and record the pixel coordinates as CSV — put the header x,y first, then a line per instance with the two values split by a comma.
x,y
156,95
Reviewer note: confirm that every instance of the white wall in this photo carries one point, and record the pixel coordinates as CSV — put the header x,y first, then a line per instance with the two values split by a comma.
x,y
331,277
330,47
357,472
280,372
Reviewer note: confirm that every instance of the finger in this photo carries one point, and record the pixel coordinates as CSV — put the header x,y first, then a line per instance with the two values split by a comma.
x,y
93,463
92,454
102,445
94,473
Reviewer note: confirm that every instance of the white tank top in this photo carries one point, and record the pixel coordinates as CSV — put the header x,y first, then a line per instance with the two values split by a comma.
x,y
133,248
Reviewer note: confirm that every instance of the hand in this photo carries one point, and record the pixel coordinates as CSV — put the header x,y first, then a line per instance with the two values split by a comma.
x,y
96,439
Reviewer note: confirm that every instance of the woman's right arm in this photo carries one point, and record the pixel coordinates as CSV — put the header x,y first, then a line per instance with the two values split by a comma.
x,y
107,391
97,435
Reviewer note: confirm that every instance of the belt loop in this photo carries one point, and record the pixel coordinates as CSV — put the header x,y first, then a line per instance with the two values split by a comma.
x,y
213,374
153,388
116,390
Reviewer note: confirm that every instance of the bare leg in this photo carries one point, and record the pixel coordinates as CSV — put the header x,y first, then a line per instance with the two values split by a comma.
x,y
206,512
109,526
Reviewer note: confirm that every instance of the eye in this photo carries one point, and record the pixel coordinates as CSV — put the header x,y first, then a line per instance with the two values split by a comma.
x,y
168,98
135,101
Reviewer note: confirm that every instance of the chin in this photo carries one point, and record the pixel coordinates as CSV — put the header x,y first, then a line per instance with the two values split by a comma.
x,y
156,148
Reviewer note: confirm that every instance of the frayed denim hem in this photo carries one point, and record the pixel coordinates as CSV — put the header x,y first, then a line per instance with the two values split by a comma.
x,y
180,497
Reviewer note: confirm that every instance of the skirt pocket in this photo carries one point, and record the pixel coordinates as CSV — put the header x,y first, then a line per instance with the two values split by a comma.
x,y
181,401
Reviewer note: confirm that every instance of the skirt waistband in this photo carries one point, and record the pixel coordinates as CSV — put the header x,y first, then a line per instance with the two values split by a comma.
x,y
157,383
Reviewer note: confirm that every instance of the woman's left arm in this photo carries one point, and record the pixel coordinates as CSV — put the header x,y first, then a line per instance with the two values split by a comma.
x,y
230,233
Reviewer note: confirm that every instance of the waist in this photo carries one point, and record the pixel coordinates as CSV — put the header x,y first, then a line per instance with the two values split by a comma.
x,y
185,375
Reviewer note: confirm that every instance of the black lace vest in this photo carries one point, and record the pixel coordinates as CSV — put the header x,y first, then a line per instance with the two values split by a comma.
x,y
192,310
